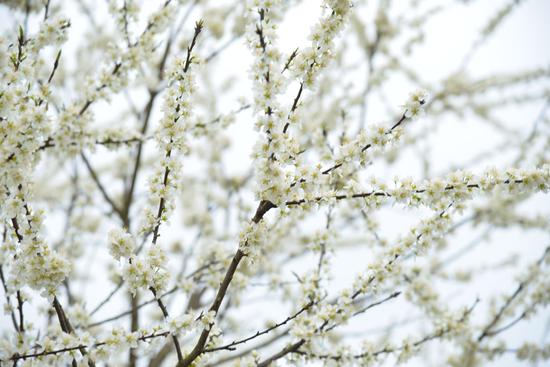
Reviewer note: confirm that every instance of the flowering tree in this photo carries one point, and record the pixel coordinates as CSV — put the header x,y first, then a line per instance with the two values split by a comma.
x,y
135,231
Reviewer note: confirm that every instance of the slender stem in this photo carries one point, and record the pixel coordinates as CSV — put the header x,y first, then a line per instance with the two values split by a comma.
x,y
20,309
67,327
137,162
80,347
8,300
100,186
521,286
263,207
232,345
165,314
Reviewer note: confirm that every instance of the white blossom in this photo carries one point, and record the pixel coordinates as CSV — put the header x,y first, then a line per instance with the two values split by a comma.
x,y
121,243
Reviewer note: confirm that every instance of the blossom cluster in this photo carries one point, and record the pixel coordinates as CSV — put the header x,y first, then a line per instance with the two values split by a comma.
x,y
316,57
146,272
162,188
252,237
415,105
25,122
24,127
35,264
418,240
265,71
121,244
370,353
72,131
140,272
438,193
277,164
273,150
170,137
368,143
61,348
533,353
